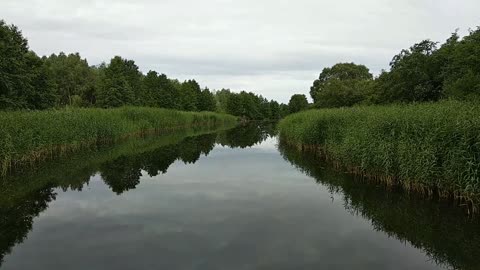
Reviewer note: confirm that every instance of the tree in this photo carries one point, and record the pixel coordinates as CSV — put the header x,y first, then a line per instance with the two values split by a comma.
x,y
340,85
189,92
206,101
15,73
41,94
168,96
275,113
297,103
150,89
341,72
71,76
221,98
284,110
461,69
30,82
119,80
413,75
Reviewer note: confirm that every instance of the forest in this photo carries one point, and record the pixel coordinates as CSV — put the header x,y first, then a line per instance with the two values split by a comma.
x,y
32,82
414,126
425,72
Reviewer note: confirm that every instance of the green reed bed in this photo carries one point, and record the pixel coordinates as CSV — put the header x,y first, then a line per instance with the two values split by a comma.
x,y
432,148
28,137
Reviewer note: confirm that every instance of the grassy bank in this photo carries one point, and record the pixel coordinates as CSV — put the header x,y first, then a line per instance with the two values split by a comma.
x,y
430,148
442,231
29,137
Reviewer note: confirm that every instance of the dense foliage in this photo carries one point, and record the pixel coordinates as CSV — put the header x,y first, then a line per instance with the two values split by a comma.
x,y
30,82
424,72
427,147
27,137
249,105
297,103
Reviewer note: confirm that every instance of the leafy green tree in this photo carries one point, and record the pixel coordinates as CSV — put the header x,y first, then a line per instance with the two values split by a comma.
x,y
221,98
340,85
15,73
150,89
59,80
190,92
413,75
206,101
235,105
248,105
340,72
71,76
284,110
461,71
158,91
41,95
297,103
118,83
275,113
168,96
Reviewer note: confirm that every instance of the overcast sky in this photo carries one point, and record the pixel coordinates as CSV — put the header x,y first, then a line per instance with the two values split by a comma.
x,y
272,47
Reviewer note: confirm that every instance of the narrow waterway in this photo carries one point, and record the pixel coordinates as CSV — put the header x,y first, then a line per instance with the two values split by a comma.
x,y
228,200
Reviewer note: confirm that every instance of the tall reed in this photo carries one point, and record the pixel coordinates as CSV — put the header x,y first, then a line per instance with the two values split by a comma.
x,y
29,137
432,148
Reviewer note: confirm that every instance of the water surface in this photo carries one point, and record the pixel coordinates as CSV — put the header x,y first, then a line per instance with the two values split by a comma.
x,y
228,200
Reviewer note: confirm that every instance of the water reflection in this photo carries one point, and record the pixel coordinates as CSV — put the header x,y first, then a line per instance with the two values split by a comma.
x,y
24,195
226,211
445,233
247,135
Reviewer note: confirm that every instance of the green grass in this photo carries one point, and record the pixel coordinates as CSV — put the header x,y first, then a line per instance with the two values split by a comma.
x,y
30,137
432,148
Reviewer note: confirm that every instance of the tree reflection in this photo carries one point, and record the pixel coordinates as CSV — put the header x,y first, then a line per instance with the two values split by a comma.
x,y
16,219
124,173
443,231
247,135
25,195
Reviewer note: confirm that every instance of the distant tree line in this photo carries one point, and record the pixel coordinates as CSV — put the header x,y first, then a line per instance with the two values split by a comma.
x,y
249,105
423,73
28,81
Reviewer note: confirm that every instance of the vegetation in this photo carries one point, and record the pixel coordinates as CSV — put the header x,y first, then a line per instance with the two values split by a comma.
x,y
58,81
27,137
297,103
62,83
24,196
30,82
445,234
422,73
27,193
432,148
249,105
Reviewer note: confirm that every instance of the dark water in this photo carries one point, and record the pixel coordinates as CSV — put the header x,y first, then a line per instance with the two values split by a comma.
x,y
228,200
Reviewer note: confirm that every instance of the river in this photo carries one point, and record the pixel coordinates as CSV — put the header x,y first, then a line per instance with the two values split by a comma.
x,y
232,199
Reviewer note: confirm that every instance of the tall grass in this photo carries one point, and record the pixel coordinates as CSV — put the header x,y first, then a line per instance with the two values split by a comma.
x,y
432,148
29,137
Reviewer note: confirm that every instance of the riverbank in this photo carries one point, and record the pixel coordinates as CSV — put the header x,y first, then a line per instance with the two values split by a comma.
x,y
437,227
30,137
433,149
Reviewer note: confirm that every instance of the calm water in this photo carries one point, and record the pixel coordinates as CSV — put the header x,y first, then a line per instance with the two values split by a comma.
x,y
228,200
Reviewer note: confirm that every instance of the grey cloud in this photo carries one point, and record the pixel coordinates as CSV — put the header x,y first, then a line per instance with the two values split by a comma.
x,y
273,47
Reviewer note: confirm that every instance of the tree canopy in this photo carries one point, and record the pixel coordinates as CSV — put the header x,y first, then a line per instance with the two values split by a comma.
x,y
425,72
297,103
59,80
